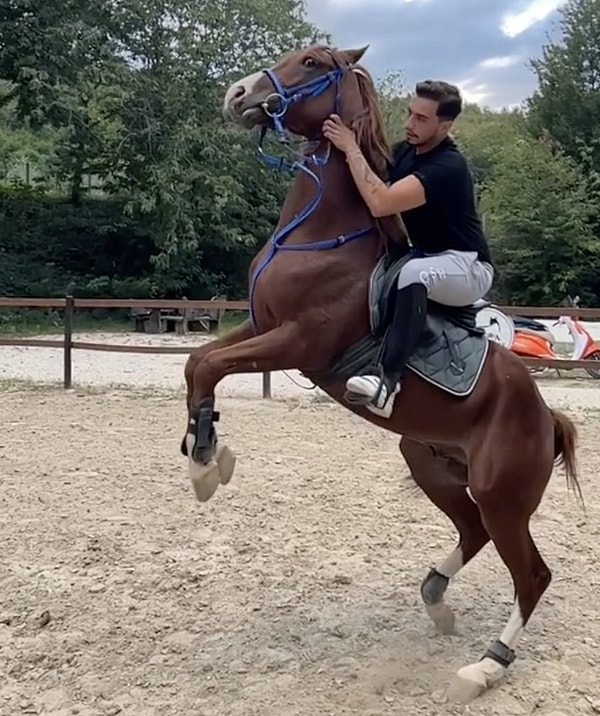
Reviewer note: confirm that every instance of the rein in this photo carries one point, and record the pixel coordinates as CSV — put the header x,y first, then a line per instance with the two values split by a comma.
x,y
285,97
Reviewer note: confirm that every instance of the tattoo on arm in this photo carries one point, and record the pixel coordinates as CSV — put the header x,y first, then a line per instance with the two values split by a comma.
x,y
364,176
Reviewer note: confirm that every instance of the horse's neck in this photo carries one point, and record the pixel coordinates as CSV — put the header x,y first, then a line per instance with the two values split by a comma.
x,y
340,202
341,205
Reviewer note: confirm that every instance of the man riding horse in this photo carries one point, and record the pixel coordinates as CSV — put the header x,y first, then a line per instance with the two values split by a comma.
x,y
432,189
477,435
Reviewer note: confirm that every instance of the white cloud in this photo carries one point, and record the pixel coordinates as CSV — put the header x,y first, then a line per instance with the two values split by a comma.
x,y
498,63
473,90
515,23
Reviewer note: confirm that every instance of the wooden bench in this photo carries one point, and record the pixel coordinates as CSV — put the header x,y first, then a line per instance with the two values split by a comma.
x,y
140,318
154,320
208,320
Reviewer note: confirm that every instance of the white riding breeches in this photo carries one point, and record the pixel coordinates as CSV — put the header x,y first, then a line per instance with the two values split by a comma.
x,y
452,278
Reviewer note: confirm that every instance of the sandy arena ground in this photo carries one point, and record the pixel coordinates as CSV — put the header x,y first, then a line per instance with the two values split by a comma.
x,y
293,592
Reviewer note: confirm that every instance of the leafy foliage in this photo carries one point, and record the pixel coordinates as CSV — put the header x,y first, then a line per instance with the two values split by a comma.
x,y
120,178
538,218
566,103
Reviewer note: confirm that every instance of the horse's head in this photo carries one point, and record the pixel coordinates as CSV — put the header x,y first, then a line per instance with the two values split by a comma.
x,y
302,90
299,92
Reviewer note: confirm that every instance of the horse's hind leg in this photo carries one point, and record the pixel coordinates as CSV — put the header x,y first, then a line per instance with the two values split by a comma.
x,y
508,487
444,481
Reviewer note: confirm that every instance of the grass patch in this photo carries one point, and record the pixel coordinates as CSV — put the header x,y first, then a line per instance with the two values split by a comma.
x,y
30,322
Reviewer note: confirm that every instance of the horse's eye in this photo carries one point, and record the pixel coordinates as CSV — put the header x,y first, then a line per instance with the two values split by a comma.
x,y
310,62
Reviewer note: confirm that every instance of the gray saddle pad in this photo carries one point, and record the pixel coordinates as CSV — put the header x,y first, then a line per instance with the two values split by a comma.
x,y
450,353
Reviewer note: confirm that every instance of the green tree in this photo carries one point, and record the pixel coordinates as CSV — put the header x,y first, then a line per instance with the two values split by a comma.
x,y
538,218
60,59
394,99
483,135
19,146
566,104
133,91
175,158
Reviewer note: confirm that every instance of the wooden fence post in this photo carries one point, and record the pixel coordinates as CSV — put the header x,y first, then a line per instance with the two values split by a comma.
x,y
266,385
68,342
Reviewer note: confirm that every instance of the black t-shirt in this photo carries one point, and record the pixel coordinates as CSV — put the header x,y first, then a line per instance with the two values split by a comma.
x,y
448,220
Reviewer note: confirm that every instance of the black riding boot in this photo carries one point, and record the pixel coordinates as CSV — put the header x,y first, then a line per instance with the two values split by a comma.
x,y
407,323
404,331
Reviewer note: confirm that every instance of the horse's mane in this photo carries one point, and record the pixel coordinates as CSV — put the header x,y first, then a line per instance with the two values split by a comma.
x,y
369,126
371,136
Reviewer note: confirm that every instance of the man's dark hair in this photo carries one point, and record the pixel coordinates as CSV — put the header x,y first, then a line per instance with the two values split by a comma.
x,y
446,95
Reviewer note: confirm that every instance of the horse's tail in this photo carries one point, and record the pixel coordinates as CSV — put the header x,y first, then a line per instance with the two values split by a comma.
x,y
565,443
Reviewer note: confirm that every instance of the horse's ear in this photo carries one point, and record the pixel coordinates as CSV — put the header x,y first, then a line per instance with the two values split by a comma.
x,y
354,56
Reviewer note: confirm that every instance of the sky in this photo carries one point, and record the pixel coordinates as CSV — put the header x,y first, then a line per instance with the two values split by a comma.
x,y
483,46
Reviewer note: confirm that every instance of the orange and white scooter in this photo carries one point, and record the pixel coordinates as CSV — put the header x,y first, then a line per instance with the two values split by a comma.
x,y
529,338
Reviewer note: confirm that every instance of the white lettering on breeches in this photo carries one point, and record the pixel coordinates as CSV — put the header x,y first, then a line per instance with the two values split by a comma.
x,y
453,278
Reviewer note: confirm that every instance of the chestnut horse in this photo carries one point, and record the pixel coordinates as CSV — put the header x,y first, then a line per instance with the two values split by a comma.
x,y
477,435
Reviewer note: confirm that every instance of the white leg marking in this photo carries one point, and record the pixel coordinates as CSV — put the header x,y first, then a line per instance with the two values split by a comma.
x,y
514,627
452,564
472,680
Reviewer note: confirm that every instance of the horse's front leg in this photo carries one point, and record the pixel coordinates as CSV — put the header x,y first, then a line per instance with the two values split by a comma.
x,y
210,463
236,335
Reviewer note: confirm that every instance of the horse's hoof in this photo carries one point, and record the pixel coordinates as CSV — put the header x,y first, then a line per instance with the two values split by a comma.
x,y
205,479
226,461
442,616
472,680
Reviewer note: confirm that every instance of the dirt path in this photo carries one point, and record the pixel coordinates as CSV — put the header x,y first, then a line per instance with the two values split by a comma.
x,y
294,592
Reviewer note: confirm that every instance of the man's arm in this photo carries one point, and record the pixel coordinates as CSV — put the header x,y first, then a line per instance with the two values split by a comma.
x,y
383,200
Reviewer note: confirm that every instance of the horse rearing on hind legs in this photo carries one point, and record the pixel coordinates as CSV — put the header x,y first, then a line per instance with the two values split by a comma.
x,y
476,433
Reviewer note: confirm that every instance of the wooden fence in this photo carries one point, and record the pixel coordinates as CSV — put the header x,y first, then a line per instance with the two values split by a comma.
x,y
68,344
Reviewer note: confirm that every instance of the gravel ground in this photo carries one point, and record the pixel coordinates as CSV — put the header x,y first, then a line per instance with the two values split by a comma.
x,y
91,368
293,592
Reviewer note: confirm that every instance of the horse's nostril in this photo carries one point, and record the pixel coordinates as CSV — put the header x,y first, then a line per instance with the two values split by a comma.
x,y
239,92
